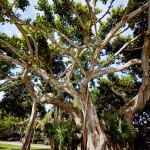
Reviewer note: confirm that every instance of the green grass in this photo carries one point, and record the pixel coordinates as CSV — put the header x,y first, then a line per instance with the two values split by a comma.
x,y
14,147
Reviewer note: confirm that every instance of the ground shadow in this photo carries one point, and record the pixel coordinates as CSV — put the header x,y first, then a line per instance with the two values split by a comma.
x,y
2,148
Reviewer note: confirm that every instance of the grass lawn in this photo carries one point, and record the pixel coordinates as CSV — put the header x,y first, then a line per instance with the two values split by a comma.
x,y
13,147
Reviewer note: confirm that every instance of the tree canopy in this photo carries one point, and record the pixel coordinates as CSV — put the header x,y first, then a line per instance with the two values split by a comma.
x,y
67,49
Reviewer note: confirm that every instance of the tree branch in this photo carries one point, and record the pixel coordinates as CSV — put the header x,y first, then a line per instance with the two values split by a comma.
x,y
66,50
64,37
29,87
15,50
64,73
93,17
74,11
133,49
55,101
118,52
120,32
116,28
98,73
5,57
35,45
22,22
127,9
120,94
107,10
138,102
26,39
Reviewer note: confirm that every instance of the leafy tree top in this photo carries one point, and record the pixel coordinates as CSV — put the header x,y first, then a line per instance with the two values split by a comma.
x,y
72,31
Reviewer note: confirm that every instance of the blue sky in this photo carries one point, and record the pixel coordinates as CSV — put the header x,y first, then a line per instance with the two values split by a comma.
x,y
31,12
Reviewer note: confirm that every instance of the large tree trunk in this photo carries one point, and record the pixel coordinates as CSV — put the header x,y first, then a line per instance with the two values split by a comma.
x,y
139,101
27,139
95,136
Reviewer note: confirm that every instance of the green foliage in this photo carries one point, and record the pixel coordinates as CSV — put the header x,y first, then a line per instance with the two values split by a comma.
x,y
16,42
102,99
44,6
65,14
63,134
5,69
51,59
22,4
16,100
117,127
105,27
103,96
9,125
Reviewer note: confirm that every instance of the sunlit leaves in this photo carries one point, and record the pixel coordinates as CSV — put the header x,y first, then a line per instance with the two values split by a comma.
x,y
44,6
116,15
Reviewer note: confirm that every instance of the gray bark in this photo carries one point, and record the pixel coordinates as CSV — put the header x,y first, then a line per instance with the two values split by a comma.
x,y
143,96
27,139
95,136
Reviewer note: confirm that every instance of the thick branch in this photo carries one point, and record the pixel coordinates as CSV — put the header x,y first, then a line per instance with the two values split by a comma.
x,y
55,101
117,27
26,39
69,73
127,9
119,51
143,96
120,94
27,139
35,45
29,87
93,18
98,73
49,98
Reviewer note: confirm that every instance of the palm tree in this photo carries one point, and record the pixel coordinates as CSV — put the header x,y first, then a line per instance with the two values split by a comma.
x,y
119,131
61,133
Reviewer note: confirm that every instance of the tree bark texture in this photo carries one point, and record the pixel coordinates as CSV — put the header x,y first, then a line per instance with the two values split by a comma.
x,y
95,136
143,96
27,139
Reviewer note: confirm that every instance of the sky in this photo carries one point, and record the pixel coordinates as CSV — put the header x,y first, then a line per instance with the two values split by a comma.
x,y
11,29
